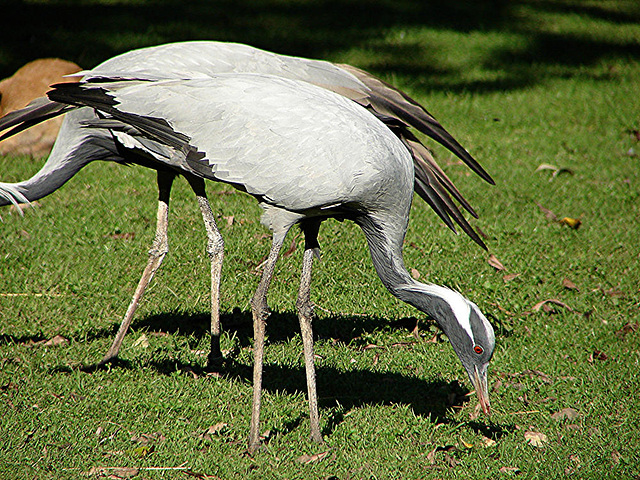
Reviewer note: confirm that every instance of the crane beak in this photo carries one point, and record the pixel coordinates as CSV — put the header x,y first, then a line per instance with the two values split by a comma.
x,y
479,380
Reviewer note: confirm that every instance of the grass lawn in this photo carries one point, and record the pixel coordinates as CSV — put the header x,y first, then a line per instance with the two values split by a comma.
x,y
523,85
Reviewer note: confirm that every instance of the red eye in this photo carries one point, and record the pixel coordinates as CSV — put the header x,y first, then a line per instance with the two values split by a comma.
x,y
478,349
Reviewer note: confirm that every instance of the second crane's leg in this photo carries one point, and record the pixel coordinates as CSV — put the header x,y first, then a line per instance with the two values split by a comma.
x,y
305,315
260,311
158,250
215,250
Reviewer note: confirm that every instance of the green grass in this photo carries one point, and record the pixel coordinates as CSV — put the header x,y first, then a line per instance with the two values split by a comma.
x,y
529,83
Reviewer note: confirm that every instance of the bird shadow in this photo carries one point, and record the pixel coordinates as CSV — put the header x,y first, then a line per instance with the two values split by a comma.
x,y
339,391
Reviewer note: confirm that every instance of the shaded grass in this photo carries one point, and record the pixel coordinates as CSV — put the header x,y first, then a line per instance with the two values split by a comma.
x,y
503,88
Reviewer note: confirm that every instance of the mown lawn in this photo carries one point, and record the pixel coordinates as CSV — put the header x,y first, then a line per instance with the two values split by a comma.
x,y
543,93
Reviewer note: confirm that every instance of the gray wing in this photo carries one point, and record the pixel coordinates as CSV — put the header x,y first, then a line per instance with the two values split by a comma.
x,y
288,143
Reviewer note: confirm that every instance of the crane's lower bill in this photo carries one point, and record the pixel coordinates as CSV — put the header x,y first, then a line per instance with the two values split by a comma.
x,y
479,380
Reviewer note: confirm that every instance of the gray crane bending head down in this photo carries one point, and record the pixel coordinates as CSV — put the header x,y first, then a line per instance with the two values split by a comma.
x,y
204,59
306,154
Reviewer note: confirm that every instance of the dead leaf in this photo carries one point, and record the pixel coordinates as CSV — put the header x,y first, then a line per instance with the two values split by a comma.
x,y
571,222
597,355
554,301
568,284
627,329
306,459
536,439
510,276
112,472
547,213
510,470
55,341
488,442
370,346
142,341
465,444
216,429
229,220
555,170
566,414
123,235
495,263
546,166
415,273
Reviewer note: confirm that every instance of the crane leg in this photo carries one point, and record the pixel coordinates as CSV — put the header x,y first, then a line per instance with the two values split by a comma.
x,y
159,249
260,312
215,250
305,315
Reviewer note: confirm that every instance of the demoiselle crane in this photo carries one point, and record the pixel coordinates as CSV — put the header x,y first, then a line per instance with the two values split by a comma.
x,y
305,154
189,60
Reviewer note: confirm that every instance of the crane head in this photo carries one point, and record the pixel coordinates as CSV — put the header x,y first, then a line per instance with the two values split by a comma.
x,y
473,340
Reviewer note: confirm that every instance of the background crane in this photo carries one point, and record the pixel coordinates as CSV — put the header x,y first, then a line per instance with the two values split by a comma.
x,y
306,154
205,60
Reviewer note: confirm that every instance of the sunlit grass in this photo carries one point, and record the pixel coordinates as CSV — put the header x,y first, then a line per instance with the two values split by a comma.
x,y
392,405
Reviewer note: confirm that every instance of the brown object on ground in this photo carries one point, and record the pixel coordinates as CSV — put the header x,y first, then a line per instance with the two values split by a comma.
x,y
28,83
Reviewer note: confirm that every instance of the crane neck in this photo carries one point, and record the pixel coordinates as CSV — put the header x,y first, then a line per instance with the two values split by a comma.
x,y
386,253
47,180
75,147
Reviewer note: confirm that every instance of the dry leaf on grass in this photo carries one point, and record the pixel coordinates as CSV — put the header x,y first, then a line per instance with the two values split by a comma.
x,y
547,213
142,341
306,459
216,429
555,171
510,470
112,472
55,341
566,413
568,221
415,273
597,355
627,329
465,444
544,304
488,442
495,263
123,236
536,439
571,222
568,284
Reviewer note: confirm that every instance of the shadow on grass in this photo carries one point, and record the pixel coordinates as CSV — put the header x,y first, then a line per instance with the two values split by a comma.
x,y
338,391
89,32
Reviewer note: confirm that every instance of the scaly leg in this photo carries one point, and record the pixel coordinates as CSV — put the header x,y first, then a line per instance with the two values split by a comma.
x,y
158,250
215,250
305,315
260,313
